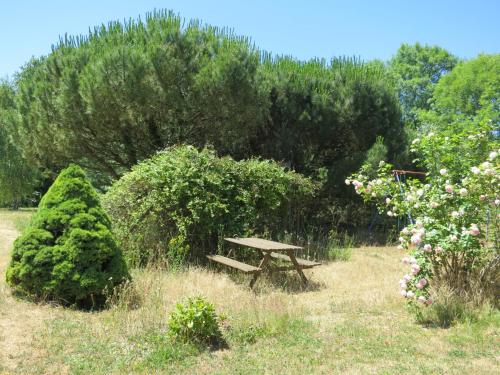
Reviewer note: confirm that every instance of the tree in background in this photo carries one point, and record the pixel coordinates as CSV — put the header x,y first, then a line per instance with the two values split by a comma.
x,y
416,71
17,179
114,97
465,102
111,99
470,91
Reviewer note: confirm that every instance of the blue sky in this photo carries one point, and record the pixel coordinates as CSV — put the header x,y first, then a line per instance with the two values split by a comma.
x,y
303,29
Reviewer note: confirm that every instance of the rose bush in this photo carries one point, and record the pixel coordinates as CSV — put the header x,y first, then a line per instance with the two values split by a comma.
x,y
453,212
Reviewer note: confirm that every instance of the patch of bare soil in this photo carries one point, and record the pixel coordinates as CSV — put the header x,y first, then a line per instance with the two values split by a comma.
x,y
19,320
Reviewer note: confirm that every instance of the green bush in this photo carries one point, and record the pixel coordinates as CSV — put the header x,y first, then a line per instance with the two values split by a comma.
x,y
178,205
68,253
195,321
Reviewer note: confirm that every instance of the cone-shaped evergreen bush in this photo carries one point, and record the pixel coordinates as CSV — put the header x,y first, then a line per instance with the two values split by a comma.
x,y
68,253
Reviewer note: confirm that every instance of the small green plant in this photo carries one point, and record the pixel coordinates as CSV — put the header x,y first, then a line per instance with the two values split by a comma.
x,y
195,321
339,249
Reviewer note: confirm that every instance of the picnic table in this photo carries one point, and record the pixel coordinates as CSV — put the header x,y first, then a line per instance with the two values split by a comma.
x,y
269,250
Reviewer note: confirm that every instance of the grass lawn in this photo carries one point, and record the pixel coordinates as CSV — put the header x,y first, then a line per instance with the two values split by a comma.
x,y
351,320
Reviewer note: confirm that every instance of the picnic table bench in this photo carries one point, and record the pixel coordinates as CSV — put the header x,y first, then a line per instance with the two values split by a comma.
x,y
268,250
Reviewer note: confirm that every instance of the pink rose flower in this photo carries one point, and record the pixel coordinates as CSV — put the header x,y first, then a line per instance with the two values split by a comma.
x,y
427,248
416,239
449,189
415,268
474,230
439,250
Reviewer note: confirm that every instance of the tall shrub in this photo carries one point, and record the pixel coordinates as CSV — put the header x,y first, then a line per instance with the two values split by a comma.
x,y
181,202
68,253
453,237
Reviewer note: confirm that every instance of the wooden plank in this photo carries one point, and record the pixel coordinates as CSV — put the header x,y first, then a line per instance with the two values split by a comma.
x,y
261,244
246,268
304,263
262,265
297,266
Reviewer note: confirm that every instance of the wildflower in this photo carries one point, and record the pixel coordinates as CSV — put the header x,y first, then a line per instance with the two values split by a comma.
x,y
449,189
438,250
482,197
422,299
497,202
415,268
407,278
429,301
443,172
410,294
416,239
474,230
463,192
434,204
486,165
423,281
455,214
475,170
405,231
427,248
415,141
493,155
347,181
387,200
453,238
390,213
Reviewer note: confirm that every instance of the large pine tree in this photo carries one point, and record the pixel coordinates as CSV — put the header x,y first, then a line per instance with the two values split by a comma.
x,y
68,253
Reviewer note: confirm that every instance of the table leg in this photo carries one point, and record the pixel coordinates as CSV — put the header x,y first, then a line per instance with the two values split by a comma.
x,y
297,266
262,266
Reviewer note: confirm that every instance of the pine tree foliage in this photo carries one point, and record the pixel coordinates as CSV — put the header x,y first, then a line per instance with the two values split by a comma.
x,y
68,253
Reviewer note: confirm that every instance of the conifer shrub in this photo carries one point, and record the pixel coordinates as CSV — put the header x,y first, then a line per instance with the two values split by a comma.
x,y
178,205
68,253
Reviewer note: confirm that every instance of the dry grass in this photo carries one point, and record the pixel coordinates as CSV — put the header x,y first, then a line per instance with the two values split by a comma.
x,y
351,320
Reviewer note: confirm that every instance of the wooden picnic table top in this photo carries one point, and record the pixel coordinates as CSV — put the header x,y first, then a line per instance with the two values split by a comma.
x,y
261,244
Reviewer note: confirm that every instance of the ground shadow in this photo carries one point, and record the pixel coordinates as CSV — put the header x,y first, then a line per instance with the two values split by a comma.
x,y
289,282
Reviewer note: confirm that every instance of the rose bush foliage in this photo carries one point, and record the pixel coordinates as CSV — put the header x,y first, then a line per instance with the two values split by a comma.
x,y
453,212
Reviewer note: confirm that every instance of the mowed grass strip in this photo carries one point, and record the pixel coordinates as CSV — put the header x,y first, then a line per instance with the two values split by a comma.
x,y
351,321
